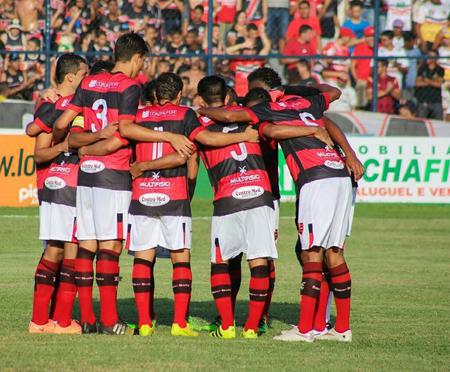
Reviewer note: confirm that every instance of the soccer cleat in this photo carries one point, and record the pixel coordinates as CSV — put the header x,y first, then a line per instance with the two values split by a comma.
x,y
333,335
226,334
185,332
320,333
120,328
146,330
73,329
47,328
213,326
249,334
263,326
289,330
87,328
295,335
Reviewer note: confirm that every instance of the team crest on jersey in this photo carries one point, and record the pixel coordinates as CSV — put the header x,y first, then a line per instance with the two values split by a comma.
x,y
334,164
54,183
92,166
154,199
92,83
247,192
243,170
145,114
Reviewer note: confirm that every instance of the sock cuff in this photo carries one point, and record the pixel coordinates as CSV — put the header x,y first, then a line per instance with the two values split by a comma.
x,y
69,263
85,254
261,271
141,261
49,265
108,255
339,270
180,265
219,268
312,267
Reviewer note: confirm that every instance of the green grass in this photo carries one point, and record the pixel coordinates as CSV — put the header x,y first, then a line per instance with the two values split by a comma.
x,y
399,256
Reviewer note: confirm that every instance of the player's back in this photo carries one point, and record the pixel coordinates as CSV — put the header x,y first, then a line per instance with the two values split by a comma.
x,y
237,172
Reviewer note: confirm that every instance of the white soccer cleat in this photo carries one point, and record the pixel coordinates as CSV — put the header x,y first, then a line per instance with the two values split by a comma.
x,y
320,333
333,335
289,330
294,335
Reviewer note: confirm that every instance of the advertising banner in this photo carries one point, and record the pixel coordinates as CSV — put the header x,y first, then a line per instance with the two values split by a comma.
x,y
398,170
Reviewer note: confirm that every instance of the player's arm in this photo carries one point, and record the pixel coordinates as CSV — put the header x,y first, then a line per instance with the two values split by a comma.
x,y
33,130
192,172
219,139
100,148
44,151
225,115
79,139
61,127
300,90
333,93
173,160
282,132
339,137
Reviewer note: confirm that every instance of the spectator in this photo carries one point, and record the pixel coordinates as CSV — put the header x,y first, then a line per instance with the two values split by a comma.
x,y
225,12
399,10
136,14
15,78
217,42
192,45
411,75
256,11
328,20
14,39
111,23
28,13
302,75
195,72
355,21
407,110
368,12
442,46
255,39
361,68
298,47
240,24
155,17
428,88
397,66
347,101
388,89
398,39
100,45
196,23
186,100
338,68
205,4
175,43
277,22
171,13
305,19
431,17
223,70
152,39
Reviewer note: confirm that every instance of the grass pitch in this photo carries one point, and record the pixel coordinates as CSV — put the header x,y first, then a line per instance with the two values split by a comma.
x,y
399,257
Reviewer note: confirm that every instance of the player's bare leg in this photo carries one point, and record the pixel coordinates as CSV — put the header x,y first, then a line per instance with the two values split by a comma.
x,y
341,285
84,279
182,285
258,288
142,277
44,286
67,293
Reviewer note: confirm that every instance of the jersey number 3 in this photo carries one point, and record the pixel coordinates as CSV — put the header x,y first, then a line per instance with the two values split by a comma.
x,y
101,108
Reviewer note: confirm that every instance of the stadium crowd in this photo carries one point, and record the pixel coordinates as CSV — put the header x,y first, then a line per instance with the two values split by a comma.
x,y
417,85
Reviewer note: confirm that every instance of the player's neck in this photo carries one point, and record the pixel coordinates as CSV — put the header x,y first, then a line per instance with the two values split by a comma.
x,y
124,68
65,90
216,104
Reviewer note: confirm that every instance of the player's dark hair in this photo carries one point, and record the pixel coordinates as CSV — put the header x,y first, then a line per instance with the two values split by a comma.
x,y
267,76
231,96
408,36
304,28
383,62
304,2
212,89
200,7
355,3
101,66
252,27
68,63
128,45
36,41
257,95
149,92
388,34
167,86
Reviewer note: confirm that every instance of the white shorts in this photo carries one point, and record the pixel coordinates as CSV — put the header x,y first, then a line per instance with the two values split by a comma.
x,y
276,219
250,232
57,222
352,211
324,213
169,232
102,214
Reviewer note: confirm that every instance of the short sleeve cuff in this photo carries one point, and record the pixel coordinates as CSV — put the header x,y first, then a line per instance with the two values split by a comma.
x,y
195,132
76,130
127,117
121,139
261,130
327,100
42,125
253,116
75,108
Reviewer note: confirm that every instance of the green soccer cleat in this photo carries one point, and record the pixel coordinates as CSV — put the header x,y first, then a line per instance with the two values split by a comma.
x,y
249,334
213,326
263,326
226,334
184,332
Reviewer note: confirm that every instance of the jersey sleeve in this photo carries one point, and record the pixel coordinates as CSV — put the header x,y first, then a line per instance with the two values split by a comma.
x,y
76,104
320,101
129,101
191,125
77,125
260,112
45,116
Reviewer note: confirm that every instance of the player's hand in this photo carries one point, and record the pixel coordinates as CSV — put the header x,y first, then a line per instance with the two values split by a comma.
x,y
322,135
109,130
135,170
64,145
181,144
50,94
251,134
82,151
354,165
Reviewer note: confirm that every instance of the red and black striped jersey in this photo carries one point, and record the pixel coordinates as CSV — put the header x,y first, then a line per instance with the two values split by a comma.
x,y
308,158
45,115
269,149
103,99
237,172
163,192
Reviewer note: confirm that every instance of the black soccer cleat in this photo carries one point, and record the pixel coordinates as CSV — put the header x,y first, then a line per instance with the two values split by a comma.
x,y
87,328
120,328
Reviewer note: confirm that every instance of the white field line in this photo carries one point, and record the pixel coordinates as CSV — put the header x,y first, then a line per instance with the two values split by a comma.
x,y
197,218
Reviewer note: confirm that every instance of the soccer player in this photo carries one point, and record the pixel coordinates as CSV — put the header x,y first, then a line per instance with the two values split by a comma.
x,y
56,179
104,183
243,220
160,213
324,204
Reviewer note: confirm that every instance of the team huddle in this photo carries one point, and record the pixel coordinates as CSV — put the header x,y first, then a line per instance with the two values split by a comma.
x,y
115,170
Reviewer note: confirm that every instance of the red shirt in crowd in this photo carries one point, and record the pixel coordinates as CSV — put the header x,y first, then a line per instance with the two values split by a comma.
x,y
385,104
294,27
227,11
363,65
296,48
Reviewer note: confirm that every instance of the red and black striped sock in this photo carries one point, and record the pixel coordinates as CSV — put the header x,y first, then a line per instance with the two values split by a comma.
x,y
309,294
107,276
142,287
258,288
84,280
181,284
66,293
221,291
54,300
234,267
271,266
341,284
320,316
152,296
44,281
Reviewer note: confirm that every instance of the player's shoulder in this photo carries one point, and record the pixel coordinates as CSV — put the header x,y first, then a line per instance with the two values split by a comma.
x,y
206,121
63,102
125,81
43,106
